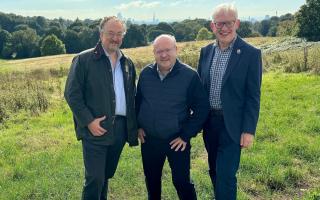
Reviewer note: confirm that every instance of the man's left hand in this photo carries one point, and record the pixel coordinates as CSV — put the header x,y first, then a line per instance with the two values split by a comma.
x,y
177,144
246,140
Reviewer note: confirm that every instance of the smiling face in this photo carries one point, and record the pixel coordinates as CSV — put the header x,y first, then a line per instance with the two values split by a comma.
x,y
224,26
111,35
165,52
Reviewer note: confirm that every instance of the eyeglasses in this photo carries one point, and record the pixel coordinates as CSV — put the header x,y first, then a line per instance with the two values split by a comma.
x,y
229,24
160,52
112,34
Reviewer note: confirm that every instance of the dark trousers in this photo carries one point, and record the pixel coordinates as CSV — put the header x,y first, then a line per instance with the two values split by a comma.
x,y
154,152
223,158
100,162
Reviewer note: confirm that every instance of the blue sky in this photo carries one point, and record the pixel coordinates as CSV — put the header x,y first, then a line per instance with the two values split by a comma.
x,y
166,10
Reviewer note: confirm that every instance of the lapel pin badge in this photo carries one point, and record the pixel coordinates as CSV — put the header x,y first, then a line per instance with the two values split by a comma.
x,y
238,51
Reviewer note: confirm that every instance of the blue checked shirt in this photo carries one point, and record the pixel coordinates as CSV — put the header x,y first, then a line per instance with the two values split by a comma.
x,y
219,64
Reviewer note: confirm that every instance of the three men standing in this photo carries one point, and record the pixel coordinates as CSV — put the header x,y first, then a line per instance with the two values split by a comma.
x,y
171,107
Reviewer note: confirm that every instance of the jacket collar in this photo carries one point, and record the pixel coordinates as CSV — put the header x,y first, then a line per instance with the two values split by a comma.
x,y
175,67
99,52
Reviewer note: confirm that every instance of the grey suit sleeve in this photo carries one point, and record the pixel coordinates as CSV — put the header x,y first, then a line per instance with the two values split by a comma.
x,y
74,94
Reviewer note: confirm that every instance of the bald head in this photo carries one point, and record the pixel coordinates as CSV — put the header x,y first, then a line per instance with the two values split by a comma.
x,y
165,51
164,37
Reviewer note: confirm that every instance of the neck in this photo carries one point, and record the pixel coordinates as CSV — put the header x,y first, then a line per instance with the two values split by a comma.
x,y
223,46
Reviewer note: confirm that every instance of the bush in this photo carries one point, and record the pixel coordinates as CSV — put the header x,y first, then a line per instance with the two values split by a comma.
x,y
51,45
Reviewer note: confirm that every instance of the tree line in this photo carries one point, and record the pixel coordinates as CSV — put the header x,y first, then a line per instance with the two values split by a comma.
x,y
25,37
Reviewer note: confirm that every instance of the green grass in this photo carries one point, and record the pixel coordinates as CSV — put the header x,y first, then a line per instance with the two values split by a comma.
x,y
40,157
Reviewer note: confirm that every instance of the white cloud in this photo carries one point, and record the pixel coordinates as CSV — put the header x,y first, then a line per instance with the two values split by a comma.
x,y
138,4
180,2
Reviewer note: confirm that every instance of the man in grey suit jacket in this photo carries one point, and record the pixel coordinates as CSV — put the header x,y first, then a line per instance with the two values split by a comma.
x,y
231,72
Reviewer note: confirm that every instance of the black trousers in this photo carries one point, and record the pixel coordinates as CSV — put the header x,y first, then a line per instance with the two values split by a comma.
x,y
100,162
154,153
223,158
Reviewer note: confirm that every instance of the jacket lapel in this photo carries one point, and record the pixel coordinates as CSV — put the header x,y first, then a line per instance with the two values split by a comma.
x,y
234,58
207,65
125,72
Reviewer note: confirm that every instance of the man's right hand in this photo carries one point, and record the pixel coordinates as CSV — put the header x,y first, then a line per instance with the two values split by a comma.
x,y
95,127
141,135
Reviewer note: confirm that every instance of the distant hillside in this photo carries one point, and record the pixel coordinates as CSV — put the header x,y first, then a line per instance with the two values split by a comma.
x,y
279,53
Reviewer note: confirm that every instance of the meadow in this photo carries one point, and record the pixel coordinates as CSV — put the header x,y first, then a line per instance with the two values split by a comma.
x,y
40,157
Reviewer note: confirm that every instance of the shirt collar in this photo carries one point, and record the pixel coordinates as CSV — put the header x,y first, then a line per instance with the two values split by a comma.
x,y
119,54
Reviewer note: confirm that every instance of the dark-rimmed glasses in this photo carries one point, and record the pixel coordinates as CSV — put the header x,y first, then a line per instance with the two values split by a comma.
x,y
228,24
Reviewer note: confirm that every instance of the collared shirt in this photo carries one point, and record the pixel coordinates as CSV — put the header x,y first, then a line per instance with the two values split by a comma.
x,y
161,75
118,85
219,65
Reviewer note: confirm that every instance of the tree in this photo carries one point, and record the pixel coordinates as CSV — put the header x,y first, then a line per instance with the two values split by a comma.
x,y
25,43
155,33
183,32
245,29
72,42
264,27
51,45
135,37
204,34
308,19
287,28
4,38
165,27
57,31
89,37
161,28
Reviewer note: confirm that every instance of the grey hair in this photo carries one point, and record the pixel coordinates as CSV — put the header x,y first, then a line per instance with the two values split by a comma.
x,y
225,8
171,37
106,19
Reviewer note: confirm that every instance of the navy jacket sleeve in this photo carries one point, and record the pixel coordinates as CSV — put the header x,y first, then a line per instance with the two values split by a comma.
x,y
199,109
253,92
74,93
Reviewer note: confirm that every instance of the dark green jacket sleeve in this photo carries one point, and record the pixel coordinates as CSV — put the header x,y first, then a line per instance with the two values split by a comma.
x,y
74,93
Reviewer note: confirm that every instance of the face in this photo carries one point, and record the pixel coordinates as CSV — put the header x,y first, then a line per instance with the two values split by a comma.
x,y
224,27
165,53
112,35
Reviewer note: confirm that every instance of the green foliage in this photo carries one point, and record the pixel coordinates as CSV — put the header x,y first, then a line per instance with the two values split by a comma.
x,y
72,41
89,37
155,33
245,29
51,45
135,37
4,38
57,31
287,28
204,34
308,19
24,43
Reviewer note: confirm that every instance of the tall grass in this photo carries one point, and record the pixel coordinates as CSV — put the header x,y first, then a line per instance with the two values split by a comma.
x,y
29,91
41,159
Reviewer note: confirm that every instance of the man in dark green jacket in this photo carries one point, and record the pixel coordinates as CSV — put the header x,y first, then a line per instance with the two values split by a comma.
x,y
100,91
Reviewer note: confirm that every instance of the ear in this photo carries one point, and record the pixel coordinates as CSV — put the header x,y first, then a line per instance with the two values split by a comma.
x,y
237,24
212,26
